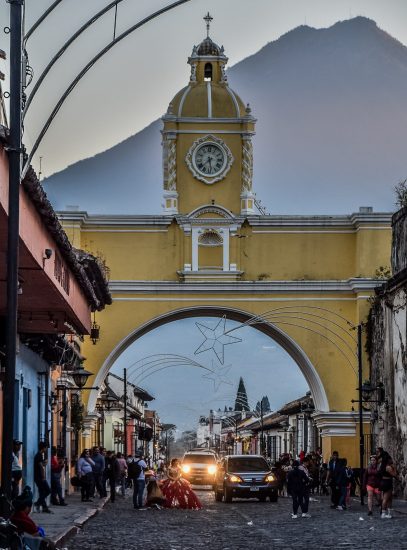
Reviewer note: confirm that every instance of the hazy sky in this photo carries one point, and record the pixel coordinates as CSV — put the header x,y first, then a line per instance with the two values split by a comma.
x,y
184,393
132,85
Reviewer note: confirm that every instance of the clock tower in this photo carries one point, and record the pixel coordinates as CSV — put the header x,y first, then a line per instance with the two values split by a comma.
x,y
207,147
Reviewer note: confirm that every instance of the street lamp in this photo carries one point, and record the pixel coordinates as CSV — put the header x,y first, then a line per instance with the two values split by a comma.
x,y
80,377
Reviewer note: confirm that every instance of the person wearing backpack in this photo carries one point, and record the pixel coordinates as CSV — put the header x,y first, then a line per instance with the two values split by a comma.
x,y
136,469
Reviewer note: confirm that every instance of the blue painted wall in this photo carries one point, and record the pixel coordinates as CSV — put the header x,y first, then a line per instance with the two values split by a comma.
x,y
29,415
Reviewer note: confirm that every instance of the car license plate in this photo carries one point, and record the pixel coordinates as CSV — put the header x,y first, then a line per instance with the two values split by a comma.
x,y
254,489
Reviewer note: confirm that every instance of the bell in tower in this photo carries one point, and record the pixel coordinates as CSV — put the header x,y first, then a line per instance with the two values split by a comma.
x,y
207,148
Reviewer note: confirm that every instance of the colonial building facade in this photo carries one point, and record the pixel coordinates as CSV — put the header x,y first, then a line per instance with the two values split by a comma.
x,y
212,252
388,354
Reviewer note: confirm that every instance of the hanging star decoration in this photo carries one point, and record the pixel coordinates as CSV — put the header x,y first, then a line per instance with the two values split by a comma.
x,y
218,376
216,339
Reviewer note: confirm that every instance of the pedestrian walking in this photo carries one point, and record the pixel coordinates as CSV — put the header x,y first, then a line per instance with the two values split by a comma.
x,y
98,470
40,477
388,472
123,467
85,474
371,484
112,473
331,480
343,476
57,465
281,476
297,486
16,469
307,489
136,470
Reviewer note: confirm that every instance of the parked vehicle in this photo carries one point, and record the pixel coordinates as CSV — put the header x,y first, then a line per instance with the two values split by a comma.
x,y
199,467
245,476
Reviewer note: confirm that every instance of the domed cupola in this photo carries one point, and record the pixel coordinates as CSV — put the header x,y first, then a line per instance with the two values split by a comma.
x,y
208,47
208,94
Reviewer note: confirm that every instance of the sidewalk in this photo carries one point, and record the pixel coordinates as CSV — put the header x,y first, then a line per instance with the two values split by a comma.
x,y
67,520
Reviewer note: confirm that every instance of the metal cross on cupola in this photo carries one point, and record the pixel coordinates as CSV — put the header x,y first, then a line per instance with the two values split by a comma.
x,y
208,18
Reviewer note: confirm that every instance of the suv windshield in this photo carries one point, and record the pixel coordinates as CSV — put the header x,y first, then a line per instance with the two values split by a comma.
x,y
200,459
247,464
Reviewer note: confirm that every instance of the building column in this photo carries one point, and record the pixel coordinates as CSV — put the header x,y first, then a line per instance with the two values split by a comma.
x,y
194,243
225,236
340,432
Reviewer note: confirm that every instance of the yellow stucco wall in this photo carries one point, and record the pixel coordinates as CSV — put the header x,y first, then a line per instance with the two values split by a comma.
x,y
341,253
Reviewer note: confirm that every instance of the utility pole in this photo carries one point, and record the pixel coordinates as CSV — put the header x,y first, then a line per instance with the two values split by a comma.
x,y
361,432
262,429
125,412
14,150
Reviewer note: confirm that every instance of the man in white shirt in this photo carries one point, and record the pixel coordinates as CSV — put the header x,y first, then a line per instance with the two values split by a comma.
x,y
139,482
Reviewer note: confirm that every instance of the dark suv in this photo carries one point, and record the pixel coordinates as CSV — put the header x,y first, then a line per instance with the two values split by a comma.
x,y
245,476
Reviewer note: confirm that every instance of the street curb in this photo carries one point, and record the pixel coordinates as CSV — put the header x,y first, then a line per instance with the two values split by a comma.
x,y
62,537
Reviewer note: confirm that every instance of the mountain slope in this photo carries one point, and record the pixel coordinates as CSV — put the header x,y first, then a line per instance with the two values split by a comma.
x,y
331,109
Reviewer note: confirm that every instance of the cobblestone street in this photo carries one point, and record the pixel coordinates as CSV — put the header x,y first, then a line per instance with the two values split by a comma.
x,y
240,525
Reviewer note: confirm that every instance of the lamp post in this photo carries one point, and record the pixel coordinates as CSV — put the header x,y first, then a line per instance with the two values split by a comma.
x,y
14,150
80,377
261,429
361,431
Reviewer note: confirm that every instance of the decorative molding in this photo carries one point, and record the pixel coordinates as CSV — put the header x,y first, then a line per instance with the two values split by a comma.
x,y
181,103
211,209
192,78
376,221
338,424
236,104
190,159
209,95
202,120
353,221
247,165
170,164
349,286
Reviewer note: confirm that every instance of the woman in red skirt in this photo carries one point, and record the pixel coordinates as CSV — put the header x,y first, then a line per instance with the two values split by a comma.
x,y
177,491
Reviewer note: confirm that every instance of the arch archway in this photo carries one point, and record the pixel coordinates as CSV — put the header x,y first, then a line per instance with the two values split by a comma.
x,y
279,336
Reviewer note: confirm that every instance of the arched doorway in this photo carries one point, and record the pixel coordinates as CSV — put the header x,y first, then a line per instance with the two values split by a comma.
x,y
276,334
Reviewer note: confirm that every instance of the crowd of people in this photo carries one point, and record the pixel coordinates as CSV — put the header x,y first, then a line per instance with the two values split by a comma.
x,y
309,474
162,486
97,470
165,486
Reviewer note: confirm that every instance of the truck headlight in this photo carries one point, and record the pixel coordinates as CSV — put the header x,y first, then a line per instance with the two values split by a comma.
x,y
186,468
212,469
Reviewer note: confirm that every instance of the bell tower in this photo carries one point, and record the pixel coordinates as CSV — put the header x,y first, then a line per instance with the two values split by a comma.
x,y
207,139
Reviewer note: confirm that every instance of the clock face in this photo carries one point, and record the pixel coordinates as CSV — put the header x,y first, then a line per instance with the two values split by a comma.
x,y
209,159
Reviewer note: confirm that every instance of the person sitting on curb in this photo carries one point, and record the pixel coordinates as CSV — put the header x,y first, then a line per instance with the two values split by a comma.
x,y
34,536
